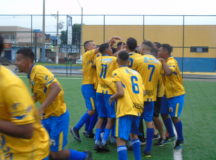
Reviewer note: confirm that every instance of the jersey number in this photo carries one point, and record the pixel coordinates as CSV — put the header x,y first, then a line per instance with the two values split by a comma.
x,y
103,71
130,62
152,68
135,86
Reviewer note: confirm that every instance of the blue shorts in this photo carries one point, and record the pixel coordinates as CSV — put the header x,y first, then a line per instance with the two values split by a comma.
x,y
172,106
148,111
89,94
57,127
104,108
47,158
126,125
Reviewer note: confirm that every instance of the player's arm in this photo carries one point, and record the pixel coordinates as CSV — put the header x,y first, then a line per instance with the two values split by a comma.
x,y
21,114
165,67
53,91
119,91
19,131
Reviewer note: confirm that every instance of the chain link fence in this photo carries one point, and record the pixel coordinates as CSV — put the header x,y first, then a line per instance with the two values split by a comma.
x,y
193,37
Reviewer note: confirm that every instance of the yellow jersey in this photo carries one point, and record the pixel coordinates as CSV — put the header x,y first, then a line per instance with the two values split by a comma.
x,y
94,65
89,71
132,58
17,106
173,83
150,70
40,79
105,65
132,101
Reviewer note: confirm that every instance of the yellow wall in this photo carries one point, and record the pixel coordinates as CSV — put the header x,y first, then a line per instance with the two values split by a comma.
x,y
194,36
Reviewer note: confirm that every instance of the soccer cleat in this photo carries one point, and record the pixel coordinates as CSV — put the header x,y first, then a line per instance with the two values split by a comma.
x,y
88,155
142,140
88,135
147,154
156,136
178,144
105,148
169,139
160,142
97,148
75,134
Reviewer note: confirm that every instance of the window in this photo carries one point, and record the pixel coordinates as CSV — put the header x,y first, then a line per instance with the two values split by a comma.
x,y
199,49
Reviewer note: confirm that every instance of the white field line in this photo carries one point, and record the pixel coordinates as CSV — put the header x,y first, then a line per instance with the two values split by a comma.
x,y
177,154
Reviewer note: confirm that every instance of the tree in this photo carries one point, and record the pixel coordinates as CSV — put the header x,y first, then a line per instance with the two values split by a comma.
x,y
76,35
63,37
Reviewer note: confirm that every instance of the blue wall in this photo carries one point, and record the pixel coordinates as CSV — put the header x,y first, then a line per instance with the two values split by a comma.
x,y
197,64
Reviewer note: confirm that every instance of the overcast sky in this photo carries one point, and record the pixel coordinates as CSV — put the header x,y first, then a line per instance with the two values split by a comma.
x,y
179,7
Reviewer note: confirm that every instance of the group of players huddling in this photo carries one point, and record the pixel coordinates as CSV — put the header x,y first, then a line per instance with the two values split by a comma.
x,y
121,87
124,85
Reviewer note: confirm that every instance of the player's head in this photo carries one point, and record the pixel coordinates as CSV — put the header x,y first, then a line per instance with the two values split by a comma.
x,y
146,47
120,45
1,44
24,59
89,45
105,48
123,58
165,51
131,44
156,45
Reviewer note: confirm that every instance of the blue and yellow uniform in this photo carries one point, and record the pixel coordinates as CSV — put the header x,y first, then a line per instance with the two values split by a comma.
x,y
173,101
17,106
150,70
132,58
105,65
89,79
130,106
56,116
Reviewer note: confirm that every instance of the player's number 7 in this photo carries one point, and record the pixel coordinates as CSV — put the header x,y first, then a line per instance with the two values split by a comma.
x,y
152,68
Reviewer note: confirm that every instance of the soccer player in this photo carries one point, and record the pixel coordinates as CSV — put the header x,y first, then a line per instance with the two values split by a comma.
x,y
157,121
88,90
173,102
131,46
105,64
22,137
129,96
55,116
150,69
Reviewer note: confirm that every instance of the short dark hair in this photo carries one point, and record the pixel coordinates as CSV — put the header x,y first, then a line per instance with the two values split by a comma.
x,y
157,44
149,44
27,52
168,47
123,55
1,44
131,43
86,43
120,43
103,47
